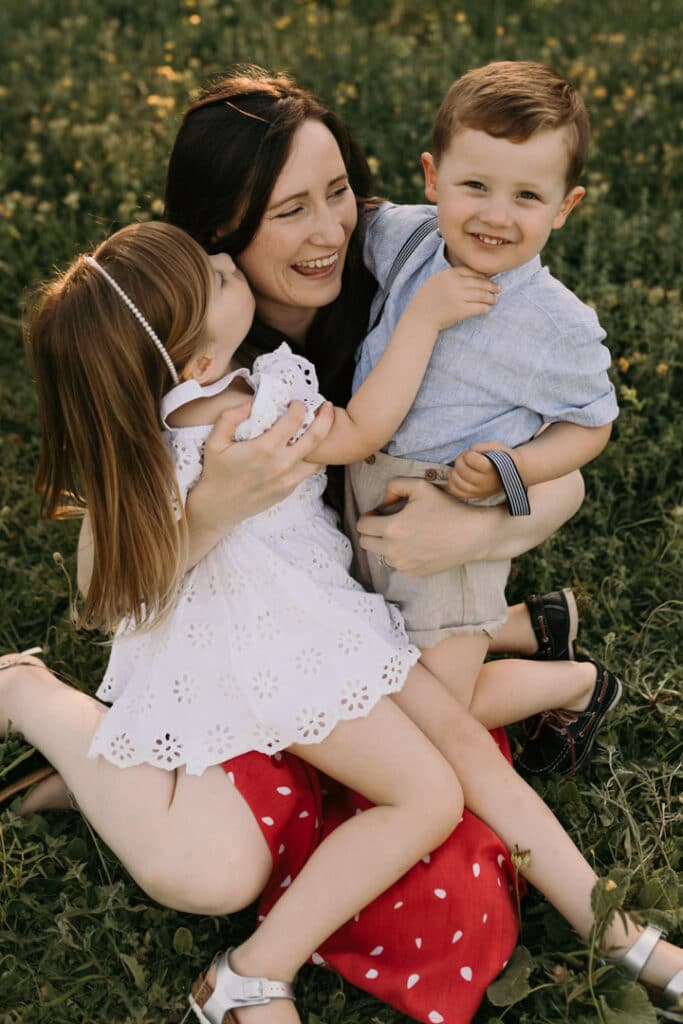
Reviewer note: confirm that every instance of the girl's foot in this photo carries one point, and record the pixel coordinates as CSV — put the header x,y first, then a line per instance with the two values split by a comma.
x,y
660,967
222,996
558,742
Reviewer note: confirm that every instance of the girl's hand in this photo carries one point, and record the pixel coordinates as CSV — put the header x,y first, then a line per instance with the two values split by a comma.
x,y
242,478
456,294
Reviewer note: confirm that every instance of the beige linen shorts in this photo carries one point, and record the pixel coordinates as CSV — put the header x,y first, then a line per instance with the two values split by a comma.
x,y
464,601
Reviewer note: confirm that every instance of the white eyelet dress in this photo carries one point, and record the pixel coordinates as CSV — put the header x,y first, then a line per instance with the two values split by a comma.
x,y
270,642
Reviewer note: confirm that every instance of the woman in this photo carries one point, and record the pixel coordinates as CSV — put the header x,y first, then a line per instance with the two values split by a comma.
x,y
144,813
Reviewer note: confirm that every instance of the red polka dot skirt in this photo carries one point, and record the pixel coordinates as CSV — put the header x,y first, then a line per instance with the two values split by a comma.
x,y
430,944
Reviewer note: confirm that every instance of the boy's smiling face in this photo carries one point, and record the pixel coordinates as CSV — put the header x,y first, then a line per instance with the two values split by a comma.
x,y
499,200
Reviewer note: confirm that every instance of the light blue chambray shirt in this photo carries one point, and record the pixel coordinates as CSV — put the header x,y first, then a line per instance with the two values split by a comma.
x,y
536,358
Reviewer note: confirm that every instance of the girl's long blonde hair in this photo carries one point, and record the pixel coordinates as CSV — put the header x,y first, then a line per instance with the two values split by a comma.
x,y
100,381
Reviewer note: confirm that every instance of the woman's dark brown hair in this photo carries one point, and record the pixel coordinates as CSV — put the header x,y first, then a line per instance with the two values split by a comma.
x,y
228,154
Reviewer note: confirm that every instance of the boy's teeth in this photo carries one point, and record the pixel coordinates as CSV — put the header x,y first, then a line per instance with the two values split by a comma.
x,y
318,264
491,241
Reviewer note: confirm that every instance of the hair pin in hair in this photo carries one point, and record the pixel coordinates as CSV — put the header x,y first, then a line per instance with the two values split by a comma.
x,y
246,113
138,316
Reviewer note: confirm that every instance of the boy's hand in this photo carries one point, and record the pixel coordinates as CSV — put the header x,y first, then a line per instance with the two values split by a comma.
x,y
473,476
456,294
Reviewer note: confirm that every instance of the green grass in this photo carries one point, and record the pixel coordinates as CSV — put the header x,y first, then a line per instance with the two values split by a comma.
x,y
90,97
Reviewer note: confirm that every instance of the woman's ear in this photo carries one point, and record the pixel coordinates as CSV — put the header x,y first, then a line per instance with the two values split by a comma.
x,y
429,167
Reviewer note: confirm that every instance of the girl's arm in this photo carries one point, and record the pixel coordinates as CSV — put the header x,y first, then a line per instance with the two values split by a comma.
x,y
387,393
238,480
435,532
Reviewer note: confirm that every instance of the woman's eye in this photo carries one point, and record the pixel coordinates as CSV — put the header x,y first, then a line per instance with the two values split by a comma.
x,y
338,192
289,213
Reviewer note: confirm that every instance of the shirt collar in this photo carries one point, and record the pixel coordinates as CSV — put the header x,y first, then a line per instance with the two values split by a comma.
x,y
507,279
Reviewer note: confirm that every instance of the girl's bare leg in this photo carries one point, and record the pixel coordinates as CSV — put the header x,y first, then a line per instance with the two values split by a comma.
x,y
418,802
152,819
495,793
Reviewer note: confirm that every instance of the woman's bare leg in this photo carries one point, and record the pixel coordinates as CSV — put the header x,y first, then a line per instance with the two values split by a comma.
x,y
149,817
495,793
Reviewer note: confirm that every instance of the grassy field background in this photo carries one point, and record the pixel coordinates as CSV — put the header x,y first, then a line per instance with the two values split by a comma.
x,y
90,97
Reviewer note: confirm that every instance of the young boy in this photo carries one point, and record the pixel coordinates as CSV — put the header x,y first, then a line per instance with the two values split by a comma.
x,y
508,146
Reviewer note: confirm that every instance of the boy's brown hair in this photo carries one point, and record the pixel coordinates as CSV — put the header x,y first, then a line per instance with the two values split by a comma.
x,y
513,99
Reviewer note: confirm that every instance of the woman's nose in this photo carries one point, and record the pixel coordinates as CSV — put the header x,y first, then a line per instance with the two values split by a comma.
x,y
328,228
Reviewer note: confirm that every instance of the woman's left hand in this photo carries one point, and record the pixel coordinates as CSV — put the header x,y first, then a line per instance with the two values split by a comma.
x,y
434,532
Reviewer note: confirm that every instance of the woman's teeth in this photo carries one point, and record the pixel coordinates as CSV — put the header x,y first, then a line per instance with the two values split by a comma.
x,y
318,264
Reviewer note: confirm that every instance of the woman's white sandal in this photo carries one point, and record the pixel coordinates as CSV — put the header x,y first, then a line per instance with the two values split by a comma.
x,y
633,961
233,992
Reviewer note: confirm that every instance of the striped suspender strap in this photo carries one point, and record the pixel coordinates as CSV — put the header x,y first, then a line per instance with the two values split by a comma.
x,y
405,252
515,491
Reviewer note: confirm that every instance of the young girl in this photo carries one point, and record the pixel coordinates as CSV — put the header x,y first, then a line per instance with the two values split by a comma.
x,y
102,369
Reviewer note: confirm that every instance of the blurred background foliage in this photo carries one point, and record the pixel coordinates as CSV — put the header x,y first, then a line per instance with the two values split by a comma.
x,y
91,94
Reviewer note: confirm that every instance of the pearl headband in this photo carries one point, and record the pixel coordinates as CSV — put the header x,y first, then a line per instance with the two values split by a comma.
x,y
138,316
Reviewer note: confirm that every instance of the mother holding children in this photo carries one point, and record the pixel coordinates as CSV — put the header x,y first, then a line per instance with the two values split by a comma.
x,y
181,402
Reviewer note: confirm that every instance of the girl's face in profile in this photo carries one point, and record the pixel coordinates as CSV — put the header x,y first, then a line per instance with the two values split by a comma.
x,y
229,315
294,262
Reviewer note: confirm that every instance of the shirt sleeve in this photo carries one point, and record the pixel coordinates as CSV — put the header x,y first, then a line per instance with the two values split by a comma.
x,y
385,232
572,385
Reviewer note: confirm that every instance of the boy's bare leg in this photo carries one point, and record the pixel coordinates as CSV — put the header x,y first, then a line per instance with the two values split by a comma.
x,y
516,636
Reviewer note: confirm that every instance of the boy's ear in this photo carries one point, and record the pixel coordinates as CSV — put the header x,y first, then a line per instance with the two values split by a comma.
x,y
429,167
572,199
197,369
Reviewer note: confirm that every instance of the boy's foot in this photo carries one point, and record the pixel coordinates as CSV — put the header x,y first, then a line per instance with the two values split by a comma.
x,y
555,622
558,742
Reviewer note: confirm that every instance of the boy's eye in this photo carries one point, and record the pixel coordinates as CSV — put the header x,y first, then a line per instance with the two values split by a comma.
x,y
478,185
528,195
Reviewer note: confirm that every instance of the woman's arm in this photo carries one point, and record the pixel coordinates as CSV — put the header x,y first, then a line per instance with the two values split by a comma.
x,y
239,479
434,532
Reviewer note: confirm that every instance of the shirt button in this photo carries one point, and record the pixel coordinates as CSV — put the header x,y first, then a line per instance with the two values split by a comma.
x,y
431,474
371,460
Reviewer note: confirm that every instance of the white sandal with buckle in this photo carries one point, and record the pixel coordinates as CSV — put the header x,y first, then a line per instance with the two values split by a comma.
x,y
633,961
233,992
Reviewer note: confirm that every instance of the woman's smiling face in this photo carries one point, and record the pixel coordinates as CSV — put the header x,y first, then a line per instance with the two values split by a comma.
x,y
295,260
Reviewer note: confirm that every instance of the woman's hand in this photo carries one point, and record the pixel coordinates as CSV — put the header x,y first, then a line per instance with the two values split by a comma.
x,y
243,478
434,532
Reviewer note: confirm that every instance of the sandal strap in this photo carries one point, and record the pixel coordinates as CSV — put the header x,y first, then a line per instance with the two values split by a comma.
x,y
233,991
15,659
635,958
671,996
